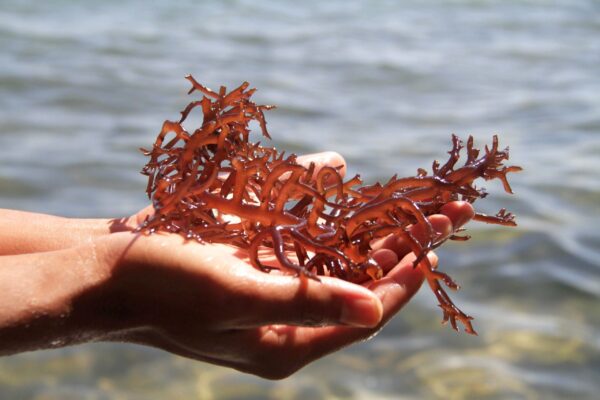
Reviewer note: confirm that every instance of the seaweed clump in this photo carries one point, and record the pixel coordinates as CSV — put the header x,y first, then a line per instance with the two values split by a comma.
x,y
315,222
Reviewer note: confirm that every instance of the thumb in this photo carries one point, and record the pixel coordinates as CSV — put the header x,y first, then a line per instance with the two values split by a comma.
x,y
306,302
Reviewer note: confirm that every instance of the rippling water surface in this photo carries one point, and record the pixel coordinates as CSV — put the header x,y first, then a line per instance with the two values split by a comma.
x,y
385,83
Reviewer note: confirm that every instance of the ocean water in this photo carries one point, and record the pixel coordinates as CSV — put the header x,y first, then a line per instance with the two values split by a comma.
x,y
84,85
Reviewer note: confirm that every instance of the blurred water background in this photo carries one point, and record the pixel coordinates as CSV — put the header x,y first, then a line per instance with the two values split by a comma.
x,y
385,83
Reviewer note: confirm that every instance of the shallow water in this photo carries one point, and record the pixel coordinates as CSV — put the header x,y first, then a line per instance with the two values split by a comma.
x,y
82,86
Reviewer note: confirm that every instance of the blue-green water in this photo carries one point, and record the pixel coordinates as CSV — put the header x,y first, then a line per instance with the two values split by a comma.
x,y
385,83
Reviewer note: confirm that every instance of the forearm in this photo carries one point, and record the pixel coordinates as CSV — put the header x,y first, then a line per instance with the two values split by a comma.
x,y
53,299
26,232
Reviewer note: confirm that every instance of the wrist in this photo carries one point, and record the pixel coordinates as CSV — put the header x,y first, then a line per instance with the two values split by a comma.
x,y
121,308
59,283
57,298
24,232
106,309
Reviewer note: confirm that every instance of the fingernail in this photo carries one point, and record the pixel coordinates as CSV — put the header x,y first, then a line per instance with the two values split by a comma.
x,y
361,313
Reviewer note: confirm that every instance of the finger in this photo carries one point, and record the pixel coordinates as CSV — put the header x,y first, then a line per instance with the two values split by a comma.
x,y
441,224
399,285
327,158
293,300
307,344
389,250
394,291
385,258
459,212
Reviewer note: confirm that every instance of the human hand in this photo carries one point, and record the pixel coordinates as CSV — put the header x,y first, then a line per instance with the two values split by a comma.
x,y
201,301
206,302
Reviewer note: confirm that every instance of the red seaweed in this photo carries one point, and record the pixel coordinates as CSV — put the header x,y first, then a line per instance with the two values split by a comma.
x,y
315,222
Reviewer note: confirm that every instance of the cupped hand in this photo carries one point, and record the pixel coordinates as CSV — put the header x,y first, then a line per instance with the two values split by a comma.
x,y
206,301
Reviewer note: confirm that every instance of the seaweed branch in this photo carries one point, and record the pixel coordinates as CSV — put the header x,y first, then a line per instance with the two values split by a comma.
x,y
326,223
